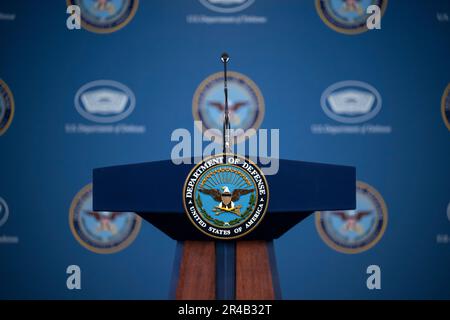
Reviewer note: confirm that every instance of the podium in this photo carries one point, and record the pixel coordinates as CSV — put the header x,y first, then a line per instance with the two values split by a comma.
x,y
230,269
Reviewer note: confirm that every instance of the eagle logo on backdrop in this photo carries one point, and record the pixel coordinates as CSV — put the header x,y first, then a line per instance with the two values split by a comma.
x,y
347,16
225,197
6,107
100,231
105,16
445,106
358,230
246,105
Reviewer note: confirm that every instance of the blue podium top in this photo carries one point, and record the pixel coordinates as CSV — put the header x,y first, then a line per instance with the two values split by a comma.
x,y
154,191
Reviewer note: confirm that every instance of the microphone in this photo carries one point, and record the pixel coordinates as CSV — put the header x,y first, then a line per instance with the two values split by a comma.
x,y
226,123
225,57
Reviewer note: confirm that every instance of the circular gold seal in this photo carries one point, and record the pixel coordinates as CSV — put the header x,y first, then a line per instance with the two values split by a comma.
x,y
355,231
348,16
226,196
6,107
105,16
101,231
246,106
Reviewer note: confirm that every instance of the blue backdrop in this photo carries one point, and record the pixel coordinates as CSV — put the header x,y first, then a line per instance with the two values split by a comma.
x,y
162,58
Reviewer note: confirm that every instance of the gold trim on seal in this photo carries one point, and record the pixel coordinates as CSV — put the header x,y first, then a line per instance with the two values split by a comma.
x,y
12,106
444,97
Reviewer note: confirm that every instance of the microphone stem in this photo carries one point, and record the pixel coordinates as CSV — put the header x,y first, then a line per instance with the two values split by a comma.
x,y
226,124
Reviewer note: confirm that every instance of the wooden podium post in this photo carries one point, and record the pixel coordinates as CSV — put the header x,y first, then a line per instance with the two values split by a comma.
x,y
207,269
196,272
196,278
256,272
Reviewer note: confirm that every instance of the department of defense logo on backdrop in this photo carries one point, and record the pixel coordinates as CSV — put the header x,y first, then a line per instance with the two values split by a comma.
x,y
448,211
225,12
99,231
227,6
225,198
245,102
445,107
6,107
4,216
104,101
347,16
4,212
107,103
105,16
355,231
351,102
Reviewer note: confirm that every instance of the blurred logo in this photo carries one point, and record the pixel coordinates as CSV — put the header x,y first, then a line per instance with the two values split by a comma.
x,y
4,215
105,16
445,106
355,231
230,13
222,199
227,6
6,107
443,17
4,212
100,231
448,211
351,102
245,102
7,16
104,101
347,16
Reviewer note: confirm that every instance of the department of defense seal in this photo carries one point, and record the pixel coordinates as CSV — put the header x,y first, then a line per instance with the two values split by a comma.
x,y
347,16
226,196
6,107
246,105
105,16
100,231
358,230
